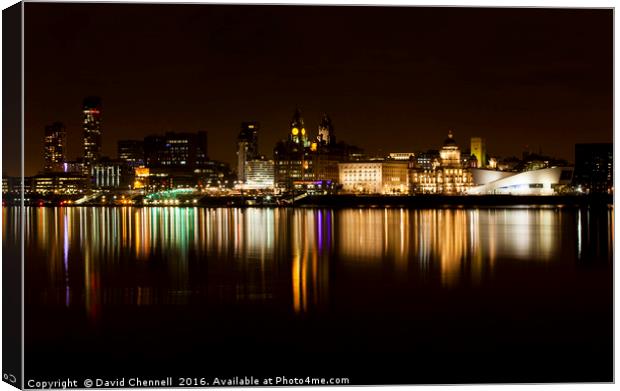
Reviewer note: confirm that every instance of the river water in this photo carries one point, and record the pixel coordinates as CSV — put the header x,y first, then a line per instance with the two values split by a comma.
x,y
376,295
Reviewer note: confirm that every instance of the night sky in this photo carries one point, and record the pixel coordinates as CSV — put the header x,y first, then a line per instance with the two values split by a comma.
x,y
392,79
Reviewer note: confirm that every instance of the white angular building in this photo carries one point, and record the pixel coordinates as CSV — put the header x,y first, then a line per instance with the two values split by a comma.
x,y
536,182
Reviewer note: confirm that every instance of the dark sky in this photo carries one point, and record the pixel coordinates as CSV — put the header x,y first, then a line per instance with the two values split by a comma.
x,y
392,79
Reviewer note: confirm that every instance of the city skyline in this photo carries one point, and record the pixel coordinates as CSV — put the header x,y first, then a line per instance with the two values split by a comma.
x,y
421,71
311,136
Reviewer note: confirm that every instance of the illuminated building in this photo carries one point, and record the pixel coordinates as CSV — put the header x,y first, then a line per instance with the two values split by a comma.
x,y
511,163
374,177
327,154
176,150
298,134
300,164
594,167
325,163
259,174
468,160
247,147
60,183
534,182
13,185
214,174
179,160
74,166
406,156
91,123
529,162
428,160
445,175
315,187
292,162
479,150
112,174
131,152
292,157
326,157
55,147
326,134
450,154
141,177
451,177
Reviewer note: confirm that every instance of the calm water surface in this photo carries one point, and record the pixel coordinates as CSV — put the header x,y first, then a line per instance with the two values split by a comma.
x,y
378,295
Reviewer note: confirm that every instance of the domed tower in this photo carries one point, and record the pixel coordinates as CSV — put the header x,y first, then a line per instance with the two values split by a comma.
x,y
326,131
450,153
298,133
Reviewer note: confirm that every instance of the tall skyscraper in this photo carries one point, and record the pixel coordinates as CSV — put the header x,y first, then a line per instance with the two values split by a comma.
x,y
91,123
247,148
326,131
479,150
55,147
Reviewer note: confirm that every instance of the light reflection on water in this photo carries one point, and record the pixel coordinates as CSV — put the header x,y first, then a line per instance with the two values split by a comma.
x,y
142,256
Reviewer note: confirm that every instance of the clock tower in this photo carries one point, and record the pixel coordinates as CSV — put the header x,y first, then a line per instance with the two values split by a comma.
x,y
298,133
326,131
